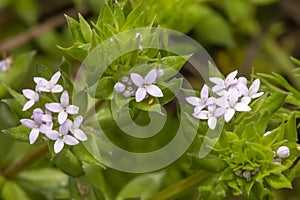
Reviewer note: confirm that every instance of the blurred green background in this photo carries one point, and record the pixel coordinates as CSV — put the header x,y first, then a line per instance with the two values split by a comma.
x,y
247,35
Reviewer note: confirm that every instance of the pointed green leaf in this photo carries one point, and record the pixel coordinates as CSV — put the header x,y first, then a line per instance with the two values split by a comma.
x,y
278,181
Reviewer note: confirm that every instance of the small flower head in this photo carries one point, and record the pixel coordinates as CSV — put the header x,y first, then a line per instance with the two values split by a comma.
x,y
63,108
74,128
146,85
42,85
61,138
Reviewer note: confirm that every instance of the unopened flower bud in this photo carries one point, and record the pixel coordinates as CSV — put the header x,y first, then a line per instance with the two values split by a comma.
x,y
160,72
283,152
119,87
126,94
125,79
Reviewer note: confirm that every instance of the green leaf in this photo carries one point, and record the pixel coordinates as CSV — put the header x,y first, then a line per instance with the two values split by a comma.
x,y
84,155
142,186
104,88
85,29
295,61
67,162
213,71
291,129
135,19
171,65
20,133
170,90
278,181
11,191
214,29
45,181
80,99
75,28
209,163
78,51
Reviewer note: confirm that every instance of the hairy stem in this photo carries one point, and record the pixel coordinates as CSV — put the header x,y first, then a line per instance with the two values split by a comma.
x,y
27,160
178,188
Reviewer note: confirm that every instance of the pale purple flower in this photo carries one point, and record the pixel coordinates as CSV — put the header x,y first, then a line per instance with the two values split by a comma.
x,y
36,125
63,108
61,138
283,152
229,104
211,115
146,85
253,93
74,128
33,97
201,102
42,85
221,85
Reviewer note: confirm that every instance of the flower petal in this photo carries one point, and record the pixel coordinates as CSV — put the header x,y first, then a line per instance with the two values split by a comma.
x,y
229,114
140,94
154,91
64,99
194,101
204,92
44,128
58,145
212,122
242,107
71,109
65,127
220,111
62,116
151,77
198,109
77,121
52,135
254,87
230,77
202,115
29,94
34,134
137,79
40,80
28,105
70,140
256,95
54,107
57,89
216,80
28,123
55,78
80,135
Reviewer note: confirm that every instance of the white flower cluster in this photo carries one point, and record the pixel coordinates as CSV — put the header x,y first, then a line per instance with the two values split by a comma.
x,y
140,87
231,95
43,121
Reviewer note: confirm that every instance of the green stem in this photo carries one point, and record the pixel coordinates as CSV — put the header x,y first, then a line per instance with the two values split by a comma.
x,y
27,160
178,188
